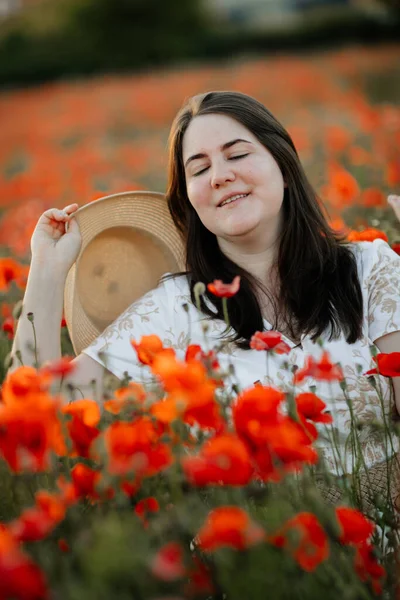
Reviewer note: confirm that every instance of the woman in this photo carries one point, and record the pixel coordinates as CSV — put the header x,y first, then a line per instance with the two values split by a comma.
x,y
240,197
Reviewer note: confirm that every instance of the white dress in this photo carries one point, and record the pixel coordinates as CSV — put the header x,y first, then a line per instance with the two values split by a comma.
x,y
160,312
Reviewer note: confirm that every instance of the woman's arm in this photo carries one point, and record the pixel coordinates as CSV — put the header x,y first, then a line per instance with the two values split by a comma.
x,y
44,299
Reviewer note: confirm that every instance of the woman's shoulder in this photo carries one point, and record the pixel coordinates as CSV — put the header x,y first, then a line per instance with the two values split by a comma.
x,y
374,256
174,287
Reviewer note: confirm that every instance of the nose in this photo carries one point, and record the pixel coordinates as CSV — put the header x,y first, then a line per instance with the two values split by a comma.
x,y
221,174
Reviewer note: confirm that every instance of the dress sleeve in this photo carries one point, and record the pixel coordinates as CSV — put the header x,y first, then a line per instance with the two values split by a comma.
x,y
382,273
151,314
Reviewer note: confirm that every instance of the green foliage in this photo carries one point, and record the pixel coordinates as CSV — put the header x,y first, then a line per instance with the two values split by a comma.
x,y
81,37
93,35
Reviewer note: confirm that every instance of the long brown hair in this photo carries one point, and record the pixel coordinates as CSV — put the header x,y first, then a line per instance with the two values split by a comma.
x,y
316,269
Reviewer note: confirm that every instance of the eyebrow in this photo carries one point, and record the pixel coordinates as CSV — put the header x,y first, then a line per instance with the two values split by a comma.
x,y
223,147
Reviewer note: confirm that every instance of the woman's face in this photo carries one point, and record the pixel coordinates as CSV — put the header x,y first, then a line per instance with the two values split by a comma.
x,y
232,180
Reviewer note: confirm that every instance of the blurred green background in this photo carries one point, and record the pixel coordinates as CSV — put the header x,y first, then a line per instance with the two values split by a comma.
x,y
48,39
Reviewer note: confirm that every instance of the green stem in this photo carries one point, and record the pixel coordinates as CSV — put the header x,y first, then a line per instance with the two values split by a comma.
x,y
30,318
225,311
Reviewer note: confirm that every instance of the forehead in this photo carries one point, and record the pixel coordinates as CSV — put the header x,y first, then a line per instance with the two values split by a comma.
x,y
208,132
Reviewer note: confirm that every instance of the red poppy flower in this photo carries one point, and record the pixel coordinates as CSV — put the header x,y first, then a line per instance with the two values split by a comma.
x,y
311,407
8,327
200,581
290,443
82,427
355,528
29,433
168,564
146,506
393,172
135,447
254,409
388,365
209,359
85,481
224,290
11,270
133,395
59,368
19,576
269,341
23,385
148,347
322,369
222,460
368,568
63,545
310,547
37,522
229,526
368,234
343,185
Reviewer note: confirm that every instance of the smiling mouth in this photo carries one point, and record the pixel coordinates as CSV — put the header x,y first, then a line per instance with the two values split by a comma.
x,y
233,199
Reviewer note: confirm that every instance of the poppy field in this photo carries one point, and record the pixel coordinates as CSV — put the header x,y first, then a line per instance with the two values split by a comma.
x,y
177,491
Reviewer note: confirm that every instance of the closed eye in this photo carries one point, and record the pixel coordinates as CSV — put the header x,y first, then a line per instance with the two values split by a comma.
x,y
200,172
230,158
238,156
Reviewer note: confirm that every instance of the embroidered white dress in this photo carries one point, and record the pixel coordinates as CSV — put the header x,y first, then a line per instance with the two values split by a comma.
x,y
161,312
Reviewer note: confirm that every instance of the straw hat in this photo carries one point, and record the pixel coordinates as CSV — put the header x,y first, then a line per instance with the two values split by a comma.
x,y
128,241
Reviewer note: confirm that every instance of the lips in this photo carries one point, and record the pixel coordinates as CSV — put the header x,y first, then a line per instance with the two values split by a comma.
x,y
232,198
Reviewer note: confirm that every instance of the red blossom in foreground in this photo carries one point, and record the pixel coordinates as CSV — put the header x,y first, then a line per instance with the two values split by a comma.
x,y
322,370
136,448
20,578
168,564
200,581
355,528
133,395
310,547
209,359
222,460
38,522
311,407
368,568
276,442
82,428
230,527
85,480
148,347
59,368
269,341
224,290
388,365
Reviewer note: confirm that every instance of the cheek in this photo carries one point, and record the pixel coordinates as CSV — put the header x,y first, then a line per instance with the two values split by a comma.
x,y
197,194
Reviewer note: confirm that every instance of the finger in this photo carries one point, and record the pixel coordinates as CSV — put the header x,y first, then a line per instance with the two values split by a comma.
x,y
71,208
56,214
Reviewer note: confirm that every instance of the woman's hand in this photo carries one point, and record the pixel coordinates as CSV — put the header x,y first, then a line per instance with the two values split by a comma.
x,y
56,240
394,202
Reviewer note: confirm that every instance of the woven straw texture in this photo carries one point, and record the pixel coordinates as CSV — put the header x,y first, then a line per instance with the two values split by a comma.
x,y
128,241
373,486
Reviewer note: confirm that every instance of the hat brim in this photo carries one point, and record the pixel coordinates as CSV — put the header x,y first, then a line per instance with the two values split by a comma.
x,y
128,242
